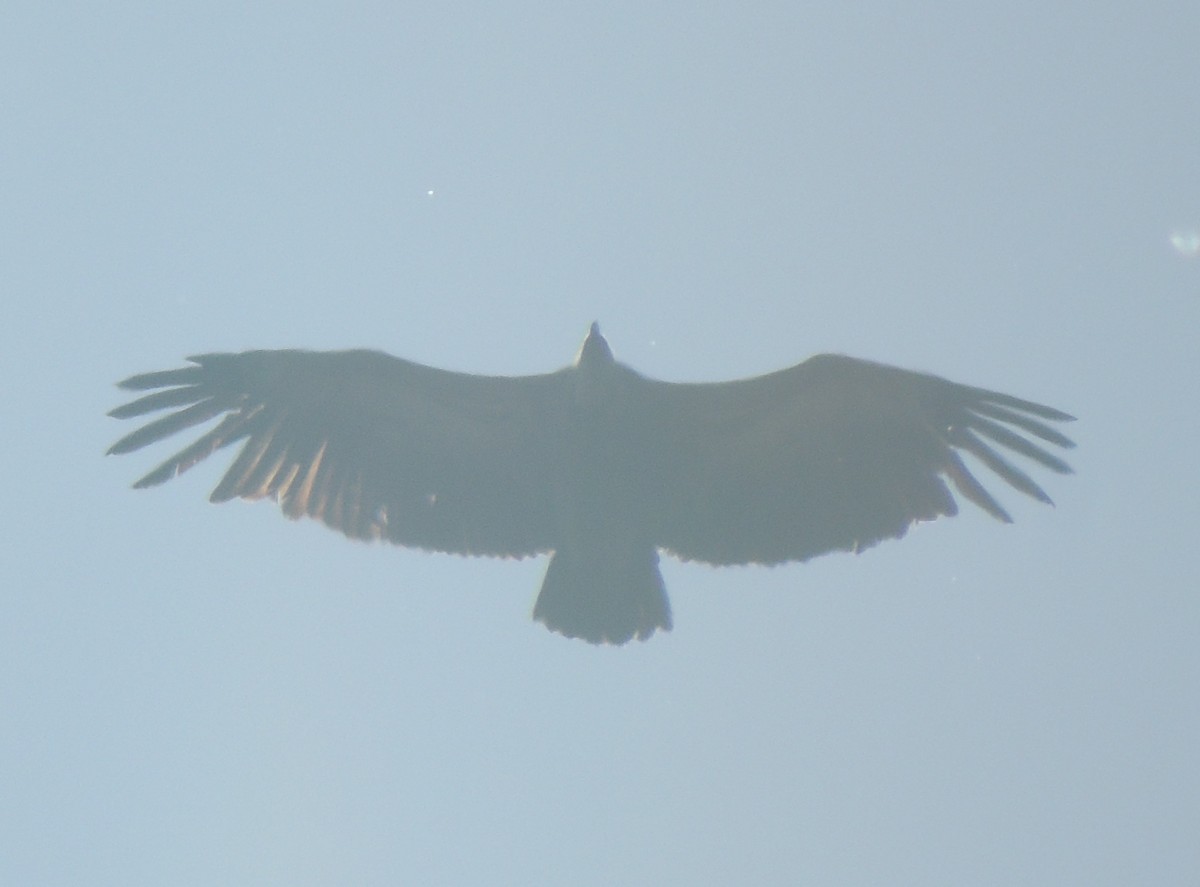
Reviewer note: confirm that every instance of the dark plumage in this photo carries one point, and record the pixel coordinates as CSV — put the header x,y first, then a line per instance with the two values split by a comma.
x,y
596,464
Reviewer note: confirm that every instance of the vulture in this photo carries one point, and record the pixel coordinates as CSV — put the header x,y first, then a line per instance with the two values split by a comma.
x,y
596,465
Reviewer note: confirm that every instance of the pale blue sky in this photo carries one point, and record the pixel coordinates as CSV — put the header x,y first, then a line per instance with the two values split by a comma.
x,y
203,695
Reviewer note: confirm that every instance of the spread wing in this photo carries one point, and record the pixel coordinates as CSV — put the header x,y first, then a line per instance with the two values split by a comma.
x,y
374,446
832,454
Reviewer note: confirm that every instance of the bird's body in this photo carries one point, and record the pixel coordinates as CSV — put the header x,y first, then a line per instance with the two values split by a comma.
x,y
595,463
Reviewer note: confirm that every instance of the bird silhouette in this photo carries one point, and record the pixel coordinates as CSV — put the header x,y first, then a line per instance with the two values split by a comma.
x,y
595,464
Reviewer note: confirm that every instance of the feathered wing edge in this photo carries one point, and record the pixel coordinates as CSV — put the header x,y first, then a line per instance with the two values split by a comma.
x,y
266,466
373,446
988,415
836,454
185,388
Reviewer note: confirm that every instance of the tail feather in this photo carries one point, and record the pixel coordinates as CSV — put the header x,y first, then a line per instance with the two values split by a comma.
x,y
604,599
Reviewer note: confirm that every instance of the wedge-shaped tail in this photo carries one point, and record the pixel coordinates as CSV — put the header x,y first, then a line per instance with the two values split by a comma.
x,y
602,598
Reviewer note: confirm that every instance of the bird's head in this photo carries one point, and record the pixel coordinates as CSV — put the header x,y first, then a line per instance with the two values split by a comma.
x,y
594,352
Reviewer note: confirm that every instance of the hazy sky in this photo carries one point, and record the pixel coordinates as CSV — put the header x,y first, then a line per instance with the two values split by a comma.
x,y
199,695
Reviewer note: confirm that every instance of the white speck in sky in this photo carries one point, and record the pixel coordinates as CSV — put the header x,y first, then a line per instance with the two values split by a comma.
x,y
1186,242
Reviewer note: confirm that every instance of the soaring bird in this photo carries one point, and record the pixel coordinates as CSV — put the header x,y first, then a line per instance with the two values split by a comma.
x,y
595,464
